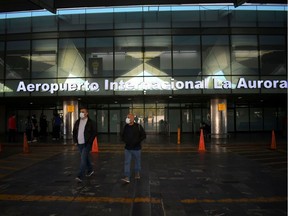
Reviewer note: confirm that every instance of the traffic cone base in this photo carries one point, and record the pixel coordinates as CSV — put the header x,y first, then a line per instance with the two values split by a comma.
x,y
95,146
201,142
273,141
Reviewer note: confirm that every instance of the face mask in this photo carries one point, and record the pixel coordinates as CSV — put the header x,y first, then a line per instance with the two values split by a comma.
x,y
128,121
82,115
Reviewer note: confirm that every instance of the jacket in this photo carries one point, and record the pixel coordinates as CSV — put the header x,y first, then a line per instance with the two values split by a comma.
x,y
133,135
89,132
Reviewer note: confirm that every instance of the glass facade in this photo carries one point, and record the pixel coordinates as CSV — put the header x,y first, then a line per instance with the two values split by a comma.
x,y
161,52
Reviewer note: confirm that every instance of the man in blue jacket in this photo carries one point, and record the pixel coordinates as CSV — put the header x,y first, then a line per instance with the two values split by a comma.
x,y
133,134
84,134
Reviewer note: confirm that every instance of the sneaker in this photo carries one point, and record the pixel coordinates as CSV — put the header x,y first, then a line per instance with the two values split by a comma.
x,y
126,180
78,179
137,176
90,173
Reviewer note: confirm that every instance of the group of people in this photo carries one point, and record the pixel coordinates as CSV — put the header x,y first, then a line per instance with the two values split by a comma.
x,y
84,134
35,129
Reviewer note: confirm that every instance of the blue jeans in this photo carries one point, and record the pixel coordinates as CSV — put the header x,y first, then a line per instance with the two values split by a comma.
x,y
128,156
85,163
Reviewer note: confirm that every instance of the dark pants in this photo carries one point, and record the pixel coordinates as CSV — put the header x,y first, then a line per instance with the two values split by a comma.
x,y
56,131
12,135
29,135
85,164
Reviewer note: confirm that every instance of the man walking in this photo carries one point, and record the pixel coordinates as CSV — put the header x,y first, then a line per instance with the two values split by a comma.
x,y
133,134
84,134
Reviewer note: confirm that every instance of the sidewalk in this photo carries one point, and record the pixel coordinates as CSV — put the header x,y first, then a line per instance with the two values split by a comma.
x,y
233,178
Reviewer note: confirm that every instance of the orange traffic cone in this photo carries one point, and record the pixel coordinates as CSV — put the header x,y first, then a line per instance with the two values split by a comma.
x,y
25,144
95,146
273,141
201,142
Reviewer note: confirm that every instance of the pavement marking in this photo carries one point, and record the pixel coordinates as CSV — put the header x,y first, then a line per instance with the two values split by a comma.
x,y
127,200
8,168
239,200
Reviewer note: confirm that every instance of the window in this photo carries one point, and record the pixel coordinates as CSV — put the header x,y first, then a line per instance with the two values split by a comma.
x,y
71,58
18,25
99,57
99,21
18,60
244,55
2,54
44,23
273,55
43,59
186,55
128,56
70,22
157,56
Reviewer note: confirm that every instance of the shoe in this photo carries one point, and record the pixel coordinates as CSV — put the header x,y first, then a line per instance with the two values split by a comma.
x,y
78,179
126,180
90,173
137,176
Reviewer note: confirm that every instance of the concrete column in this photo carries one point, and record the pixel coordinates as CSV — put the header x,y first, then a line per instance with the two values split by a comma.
x,y
70,115
218,109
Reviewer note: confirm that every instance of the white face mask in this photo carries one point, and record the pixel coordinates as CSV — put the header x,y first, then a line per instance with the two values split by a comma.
x,y
82,115
128,121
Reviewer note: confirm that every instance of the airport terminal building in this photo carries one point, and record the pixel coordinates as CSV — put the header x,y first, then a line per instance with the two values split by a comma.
x,y
174,66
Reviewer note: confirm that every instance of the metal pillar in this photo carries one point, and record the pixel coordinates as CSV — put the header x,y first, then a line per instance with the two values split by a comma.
x,y
70,115
218,109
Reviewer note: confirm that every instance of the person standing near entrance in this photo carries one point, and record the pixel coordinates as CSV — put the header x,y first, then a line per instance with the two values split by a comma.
x,y
84,134
133,134
12,128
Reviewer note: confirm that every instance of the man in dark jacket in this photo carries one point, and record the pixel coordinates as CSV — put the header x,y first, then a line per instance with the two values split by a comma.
x,y
133,134
84,134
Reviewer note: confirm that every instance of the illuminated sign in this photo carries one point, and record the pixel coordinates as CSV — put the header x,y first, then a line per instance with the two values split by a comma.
x,y
121,85
221,107
70,108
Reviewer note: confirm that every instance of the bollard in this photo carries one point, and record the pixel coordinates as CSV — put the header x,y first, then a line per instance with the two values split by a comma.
x,y
178,136
273,141
25,144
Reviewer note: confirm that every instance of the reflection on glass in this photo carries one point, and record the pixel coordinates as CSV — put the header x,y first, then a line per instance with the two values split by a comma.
x,y
185,19
186,55
99,57
157,55
44,23
273,55
2,60
18,25
215,55
71,61
44,54
70,22
256,119
18,59
99,21
242,119
243,18
244,55
128,56
154,19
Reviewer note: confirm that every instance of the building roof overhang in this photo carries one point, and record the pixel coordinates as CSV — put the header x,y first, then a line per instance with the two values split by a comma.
x,y
54,5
